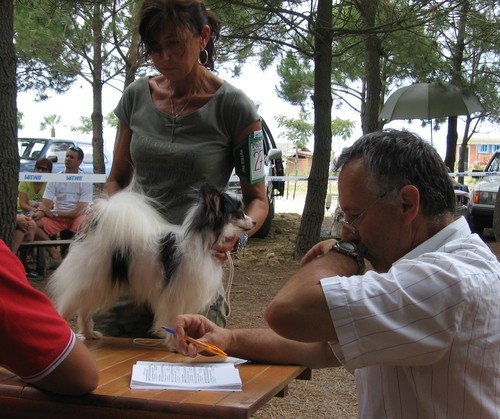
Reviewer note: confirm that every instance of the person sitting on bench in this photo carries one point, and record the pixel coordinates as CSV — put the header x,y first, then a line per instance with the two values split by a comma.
x,y
63,204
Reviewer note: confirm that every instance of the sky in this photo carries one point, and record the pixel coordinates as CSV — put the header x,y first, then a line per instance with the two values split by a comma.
x,y
259,85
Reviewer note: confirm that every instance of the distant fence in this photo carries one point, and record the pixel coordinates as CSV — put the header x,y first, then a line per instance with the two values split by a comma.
x,y
61,177
91,178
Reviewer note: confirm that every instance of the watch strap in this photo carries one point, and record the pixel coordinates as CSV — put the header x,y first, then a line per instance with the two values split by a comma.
x,y
351,249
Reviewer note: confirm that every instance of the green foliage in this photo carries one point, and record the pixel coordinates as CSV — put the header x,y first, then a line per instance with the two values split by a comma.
x,y
343,128
297,79
300,131
85,126
50,121
20,116
43,61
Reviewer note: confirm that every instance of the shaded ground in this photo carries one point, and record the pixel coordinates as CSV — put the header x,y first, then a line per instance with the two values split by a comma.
x,y
266,265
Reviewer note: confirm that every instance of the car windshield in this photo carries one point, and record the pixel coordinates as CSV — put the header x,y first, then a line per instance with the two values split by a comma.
x,y
495,164
31,149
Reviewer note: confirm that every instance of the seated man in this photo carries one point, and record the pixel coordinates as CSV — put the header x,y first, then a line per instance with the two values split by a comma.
x,y
63,204
36,343
420,331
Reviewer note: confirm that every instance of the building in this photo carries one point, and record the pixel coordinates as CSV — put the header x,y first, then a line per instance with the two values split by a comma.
x,y
480,148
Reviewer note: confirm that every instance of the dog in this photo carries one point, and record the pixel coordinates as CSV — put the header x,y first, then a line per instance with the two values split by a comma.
x,y
126,248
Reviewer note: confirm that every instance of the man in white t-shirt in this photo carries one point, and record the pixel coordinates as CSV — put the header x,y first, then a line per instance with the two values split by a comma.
x,y
63,204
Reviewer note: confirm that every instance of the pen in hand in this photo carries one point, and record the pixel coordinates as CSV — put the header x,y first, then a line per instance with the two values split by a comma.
x,y
206,346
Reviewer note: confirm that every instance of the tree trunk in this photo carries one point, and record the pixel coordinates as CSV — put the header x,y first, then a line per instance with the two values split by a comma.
x,y
314,208
451,143
457,54
371,107
97,83
9,157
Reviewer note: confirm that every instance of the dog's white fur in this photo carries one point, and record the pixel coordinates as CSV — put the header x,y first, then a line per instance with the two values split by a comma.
x,y
127,224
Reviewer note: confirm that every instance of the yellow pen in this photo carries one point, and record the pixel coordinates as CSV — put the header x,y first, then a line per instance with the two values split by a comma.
x,y
207,346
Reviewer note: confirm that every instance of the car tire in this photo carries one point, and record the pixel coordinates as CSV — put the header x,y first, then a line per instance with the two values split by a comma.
x,y
264,230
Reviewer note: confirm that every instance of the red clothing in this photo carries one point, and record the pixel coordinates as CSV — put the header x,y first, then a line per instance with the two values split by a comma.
x,y
34,339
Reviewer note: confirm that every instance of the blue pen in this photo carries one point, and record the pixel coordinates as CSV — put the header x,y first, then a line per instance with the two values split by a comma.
x,y
206,346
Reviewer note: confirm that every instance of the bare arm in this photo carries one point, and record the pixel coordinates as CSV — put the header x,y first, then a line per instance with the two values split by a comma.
x,y
44,209
254,199
259,345
299,310
122,170
46,206
23,202
254,196
76,375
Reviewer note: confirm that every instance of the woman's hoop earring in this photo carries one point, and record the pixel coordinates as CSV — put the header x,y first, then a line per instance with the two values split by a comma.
x,y
204,60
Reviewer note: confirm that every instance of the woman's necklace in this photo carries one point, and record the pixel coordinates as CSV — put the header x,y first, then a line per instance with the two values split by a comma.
x,y
177,117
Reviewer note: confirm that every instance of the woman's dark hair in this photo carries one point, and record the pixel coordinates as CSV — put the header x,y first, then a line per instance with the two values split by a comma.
x,y
154,15
45,162
398,158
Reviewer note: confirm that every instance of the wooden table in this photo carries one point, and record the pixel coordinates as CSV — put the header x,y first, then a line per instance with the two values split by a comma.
x,y
114,398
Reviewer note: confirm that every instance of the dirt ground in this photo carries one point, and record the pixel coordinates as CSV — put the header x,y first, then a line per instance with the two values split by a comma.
x,y
265,266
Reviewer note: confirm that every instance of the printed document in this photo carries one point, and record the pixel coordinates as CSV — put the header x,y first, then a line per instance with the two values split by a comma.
x,y
181,376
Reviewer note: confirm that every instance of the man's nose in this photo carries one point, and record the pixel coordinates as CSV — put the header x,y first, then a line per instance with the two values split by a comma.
x,y
348,234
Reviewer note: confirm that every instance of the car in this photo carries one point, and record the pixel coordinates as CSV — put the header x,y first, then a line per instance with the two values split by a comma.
x,y
31,149
273,168
483,196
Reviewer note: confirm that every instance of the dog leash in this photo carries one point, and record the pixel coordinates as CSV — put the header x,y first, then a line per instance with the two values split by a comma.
x,y
229,282
148,342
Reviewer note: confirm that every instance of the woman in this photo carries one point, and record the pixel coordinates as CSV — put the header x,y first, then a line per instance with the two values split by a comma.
x,y
185,125
31,193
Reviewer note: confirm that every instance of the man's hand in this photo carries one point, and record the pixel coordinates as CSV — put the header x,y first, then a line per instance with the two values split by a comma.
x,y
198,327
317,250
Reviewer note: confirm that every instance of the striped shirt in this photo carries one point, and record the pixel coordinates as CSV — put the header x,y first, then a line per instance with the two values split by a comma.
x,y
423,339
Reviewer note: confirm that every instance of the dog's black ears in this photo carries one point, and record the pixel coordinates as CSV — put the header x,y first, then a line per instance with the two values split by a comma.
x,y
209,195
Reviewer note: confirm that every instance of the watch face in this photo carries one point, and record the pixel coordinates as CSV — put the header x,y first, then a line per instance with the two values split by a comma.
x,y
348,246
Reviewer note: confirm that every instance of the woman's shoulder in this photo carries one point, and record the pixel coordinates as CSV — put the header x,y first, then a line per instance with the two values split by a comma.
x,y
234,96
138,84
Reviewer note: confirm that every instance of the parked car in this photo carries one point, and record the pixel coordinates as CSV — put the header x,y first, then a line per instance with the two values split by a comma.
x,y
273,167
31,149
483,196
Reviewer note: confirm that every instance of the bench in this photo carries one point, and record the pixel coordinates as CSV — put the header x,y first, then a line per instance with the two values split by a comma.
x,y
40,256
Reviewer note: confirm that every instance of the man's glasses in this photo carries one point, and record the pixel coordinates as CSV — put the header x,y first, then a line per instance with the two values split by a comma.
x,y
350,225
42,168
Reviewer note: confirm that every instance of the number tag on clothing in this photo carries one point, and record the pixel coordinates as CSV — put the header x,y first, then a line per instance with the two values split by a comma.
x,y
249,158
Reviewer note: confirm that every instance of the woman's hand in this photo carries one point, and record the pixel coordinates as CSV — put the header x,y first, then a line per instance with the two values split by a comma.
x,y
220,249
24,222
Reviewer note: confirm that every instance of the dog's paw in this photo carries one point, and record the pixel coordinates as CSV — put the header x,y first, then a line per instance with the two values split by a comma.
x,y
89,334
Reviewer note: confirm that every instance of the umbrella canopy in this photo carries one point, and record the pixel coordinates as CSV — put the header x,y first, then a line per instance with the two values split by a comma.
x,y
428,101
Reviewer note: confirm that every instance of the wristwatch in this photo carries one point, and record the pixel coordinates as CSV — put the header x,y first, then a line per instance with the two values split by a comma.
x,y
349,248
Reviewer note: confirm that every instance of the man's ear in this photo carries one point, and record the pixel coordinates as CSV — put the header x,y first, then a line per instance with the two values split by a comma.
x,y
410,201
